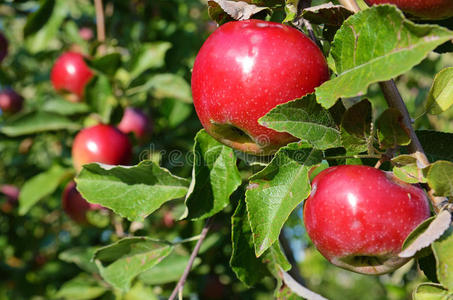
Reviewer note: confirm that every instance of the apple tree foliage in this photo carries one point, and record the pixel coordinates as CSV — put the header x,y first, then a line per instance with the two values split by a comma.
x,y
182,179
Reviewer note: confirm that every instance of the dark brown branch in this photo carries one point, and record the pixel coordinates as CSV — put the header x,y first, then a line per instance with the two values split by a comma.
x,y
294,272
182,280
100,24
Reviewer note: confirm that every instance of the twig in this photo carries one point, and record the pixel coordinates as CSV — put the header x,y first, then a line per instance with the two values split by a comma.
x,y
194,254
100,24
294,272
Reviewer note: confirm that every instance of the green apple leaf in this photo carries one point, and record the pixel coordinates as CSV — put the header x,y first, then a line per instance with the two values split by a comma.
x,y
430,291
406,169
168,270
107,64
440,96
39,18
391,130
239,10
437,145
81,257
166,85
82,287
248,268
149,56
99,95
356,127
427,264
215,177
61,106
41,186
275,191
36,122
305,119
442,249
140,291
327,14
120,262
132,192
440,177
376,44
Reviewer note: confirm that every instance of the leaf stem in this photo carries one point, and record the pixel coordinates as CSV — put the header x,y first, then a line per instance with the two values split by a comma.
x,y
182,280
100,24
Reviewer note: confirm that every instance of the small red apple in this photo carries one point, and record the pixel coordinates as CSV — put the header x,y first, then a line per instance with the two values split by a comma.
x,y
358,217
10,101
246,68
3,47
86,33
70,74
425,9
137,122
103,144
74,205
11,193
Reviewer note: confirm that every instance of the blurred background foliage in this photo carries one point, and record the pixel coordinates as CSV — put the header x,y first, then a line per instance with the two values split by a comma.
x,y
46,255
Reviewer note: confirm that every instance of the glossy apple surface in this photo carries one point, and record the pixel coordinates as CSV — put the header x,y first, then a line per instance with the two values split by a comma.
x,y
74,205
246,68
70,74
425,9
358,217
137,122
3,47
10,101
103,144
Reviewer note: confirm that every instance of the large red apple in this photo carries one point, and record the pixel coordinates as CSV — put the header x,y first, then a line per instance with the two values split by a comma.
x,y
137,122
246,68
10,101
70,74
103,144
3,47
425,9
358,217
74,205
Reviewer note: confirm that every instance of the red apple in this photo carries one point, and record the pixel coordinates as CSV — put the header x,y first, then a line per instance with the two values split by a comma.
x,y
10,101
137,122
246,68
103,144
86,33
425,9
3,47
358,217
11,193
70,74
74,205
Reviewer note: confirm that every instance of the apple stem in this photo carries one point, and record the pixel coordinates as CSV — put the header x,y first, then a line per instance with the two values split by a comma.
x,y
394,100
294,272
100,24
180,285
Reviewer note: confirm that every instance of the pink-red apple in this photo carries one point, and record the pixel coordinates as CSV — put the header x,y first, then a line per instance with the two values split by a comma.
x,y
358,217
10,101
3,47
137,122
86,33
425,9
246,68
101,143
74,205
70,74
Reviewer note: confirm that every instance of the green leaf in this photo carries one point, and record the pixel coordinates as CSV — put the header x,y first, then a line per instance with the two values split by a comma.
x,y
139,292
374,45
36,122
440,96
430,291
327,14
440,178
166,85
107,64
391,130
442,249
63,107
239,10
99,95
168,270
306,120
215,177
248,268
129,257
41,186
437,145
406,169
82,287
150,55
274,192
356,127
132,192
37,20
81,257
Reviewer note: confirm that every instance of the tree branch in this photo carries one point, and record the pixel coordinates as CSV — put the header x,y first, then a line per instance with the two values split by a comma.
x,y
100,24
182,280
294,272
